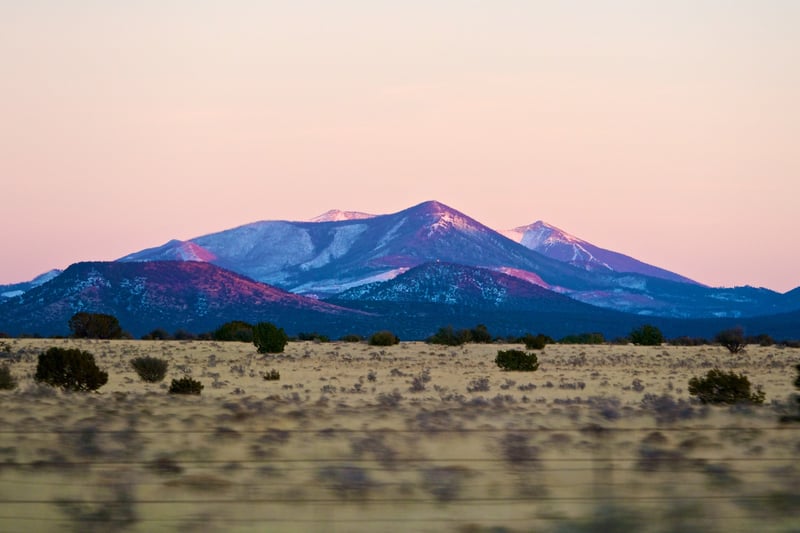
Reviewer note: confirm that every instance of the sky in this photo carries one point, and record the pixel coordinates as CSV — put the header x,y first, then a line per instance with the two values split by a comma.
x,y
667,131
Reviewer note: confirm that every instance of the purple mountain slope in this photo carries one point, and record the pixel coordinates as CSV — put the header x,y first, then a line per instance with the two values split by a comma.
x,y
464,286
181,294
560,245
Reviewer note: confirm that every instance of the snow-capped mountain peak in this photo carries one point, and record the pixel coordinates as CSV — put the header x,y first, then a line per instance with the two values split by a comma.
x,y
562,246
337,215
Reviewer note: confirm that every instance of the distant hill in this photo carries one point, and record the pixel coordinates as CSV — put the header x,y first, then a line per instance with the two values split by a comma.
x,y
195,296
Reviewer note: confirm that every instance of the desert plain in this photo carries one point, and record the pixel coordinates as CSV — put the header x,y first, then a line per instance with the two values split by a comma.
x,y
411,437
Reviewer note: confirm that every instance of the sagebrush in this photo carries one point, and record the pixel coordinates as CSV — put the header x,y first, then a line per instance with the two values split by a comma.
x,y
185,386
150,369
517,360
70,369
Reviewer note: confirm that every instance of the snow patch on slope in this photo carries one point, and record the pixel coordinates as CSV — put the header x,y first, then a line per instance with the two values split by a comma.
x,y
343,239
336,215
334,286
391,234
449,220
271,245
12,294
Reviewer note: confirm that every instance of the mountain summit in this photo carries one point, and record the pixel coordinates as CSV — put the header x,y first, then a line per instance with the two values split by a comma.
x,y
327,257
560,245
336,215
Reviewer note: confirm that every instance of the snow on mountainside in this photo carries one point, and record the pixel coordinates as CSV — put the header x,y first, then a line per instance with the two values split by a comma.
x,y
451,284
16,289
335,215
321,258
560,245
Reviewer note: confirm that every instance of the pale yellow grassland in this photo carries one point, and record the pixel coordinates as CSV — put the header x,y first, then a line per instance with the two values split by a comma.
x,y
342,443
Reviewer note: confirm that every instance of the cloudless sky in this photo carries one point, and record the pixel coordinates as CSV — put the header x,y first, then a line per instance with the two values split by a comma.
x,y
668,131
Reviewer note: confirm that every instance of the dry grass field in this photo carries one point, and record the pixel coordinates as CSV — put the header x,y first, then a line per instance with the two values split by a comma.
x,y
412,437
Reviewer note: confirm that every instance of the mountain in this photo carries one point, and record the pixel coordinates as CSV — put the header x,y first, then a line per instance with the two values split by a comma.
x,y
436,294
189,295
560,245
322,259
464,286
15,289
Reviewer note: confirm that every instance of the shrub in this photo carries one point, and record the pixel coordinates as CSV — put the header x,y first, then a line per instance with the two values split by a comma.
x,y
269,338
383,338
537,342
449,337
647,335
272,375
352,338
480,334
583,338
719,387
762,340
688,341
516,360
95,326
183,335
7,381
314,336
235,330
70,369
150,369
158,334
732,339
795,418
185,386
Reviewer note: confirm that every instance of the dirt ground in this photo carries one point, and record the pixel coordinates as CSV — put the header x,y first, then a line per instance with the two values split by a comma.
x,y
412,437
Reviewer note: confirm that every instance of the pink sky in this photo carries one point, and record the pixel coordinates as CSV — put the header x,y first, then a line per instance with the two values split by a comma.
x,y
664,130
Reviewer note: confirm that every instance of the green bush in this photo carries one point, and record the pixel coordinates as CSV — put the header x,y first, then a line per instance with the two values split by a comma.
x,y
150,369
516,360
719,387
449,337
70,369
352,338
183,335
95,326
480,334
583,338
158,334
383,338
272,375
732,339
7,381
536,342
688,341
269,338
647,335
762,339
235,330
185,386
313,336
